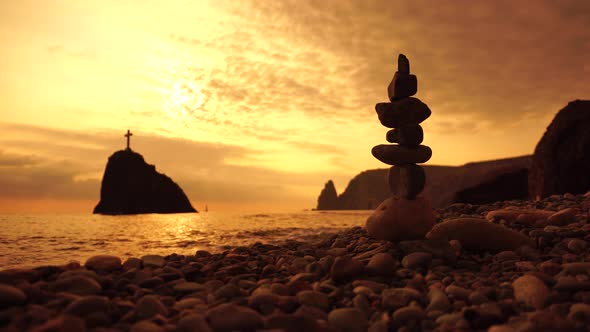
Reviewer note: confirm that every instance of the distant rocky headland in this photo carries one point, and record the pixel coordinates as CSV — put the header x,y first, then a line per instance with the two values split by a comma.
x,y
559,165
131,186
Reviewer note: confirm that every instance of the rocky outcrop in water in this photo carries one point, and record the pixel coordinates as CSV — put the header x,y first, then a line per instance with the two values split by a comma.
x,y
328,199
562,156
131,186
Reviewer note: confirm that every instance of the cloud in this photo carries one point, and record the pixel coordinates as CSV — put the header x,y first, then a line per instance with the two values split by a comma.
x,y
489,59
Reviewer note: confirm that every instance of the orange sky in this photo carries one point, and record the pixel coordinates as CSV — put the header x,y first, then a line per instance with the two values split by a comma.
x,y
253,105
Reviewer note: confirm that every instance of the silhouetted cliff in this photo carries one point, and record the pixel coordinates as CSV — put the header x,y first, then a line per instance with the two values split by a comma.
x,y
131,186
481,182
562,156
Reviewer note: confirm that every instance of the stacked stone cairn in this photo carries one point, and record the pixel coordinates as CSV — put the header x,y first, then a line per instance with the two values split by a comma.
x,y
406,215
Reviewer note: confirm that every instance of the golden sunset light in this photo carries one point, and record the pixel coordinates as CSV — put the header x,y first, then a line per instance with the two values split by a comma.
x,y
254,105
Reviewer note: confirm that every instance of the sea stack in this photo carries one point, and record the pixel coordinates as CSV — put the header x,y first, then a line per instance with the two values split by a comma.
x,y
406,215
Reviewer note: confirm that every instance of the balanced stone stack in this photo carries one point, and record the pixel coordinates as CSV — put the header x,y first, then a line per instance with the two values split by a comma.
x,y
405,215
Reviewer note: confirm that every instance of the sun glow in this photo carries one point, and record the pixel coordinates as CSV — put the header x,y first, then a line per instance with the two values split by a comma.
x,y
184,96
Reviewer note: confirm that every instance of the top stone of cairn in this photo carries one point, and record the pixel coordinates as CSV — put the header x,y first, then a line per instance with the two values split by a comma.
x,y
403,64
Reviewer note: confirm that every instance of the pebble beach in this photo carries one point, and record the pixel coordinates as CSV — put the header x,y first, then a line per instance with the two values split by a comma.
x,y
345,281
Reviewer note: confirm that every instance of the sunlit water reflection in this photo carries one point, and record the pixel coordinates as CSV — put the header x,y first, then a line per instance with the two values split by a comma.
x,y
32,240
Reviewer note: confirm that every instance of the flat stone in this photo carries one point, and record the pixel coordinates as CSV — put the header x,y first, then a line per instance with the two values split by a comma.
x,y
11,296
230,317
382,264
562,217
409,135
314,299
87,305
399,219
576,268
392,154
401,86
403,64
479,235
348,319
153,261
77,284
417,260
345,268
227,291
193,323
149,306
106,263
403,112
531,290
406,181
187,303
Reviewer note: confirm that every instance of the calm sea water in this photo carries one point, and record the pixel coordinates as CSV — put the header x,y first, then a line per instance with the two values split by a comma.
x,y
33,240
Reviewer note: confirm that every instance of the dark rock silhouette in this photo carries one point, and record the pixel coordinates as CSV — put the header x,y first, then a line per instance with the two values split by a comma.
x,y
131,186
562,157
485,181
507,186
328,199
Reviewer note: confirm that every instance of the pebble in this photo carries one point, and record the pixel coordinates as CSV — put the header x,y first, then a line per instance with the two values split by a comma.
x,y
531,290
579,312
458,292
410,135
479,235
393,154
345,268
77,284
577,245
397,219
153,261
314,299
382,264
562,217
106,263
347,320
412,312
438,301
62,323
402,86
406,181
192,323
11,296
402,112
149,306
417,260
87,305
231,317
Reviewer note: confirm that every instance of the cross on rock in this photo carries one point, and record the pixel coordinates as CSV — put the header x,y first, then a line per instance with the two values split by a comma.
x,y
128,135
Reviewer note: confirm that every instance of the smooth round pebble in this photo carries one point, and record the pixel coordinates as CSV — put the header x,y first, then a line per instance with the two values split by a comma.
x,y
348,320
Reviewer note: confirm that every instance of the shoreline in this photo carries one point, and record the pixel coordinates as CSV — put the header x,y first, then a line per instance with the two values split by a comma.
x,y
343,282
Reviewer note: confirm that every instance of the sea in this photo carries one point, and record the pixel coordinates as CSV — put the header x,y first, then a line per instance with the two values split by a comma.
x,y
30,240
